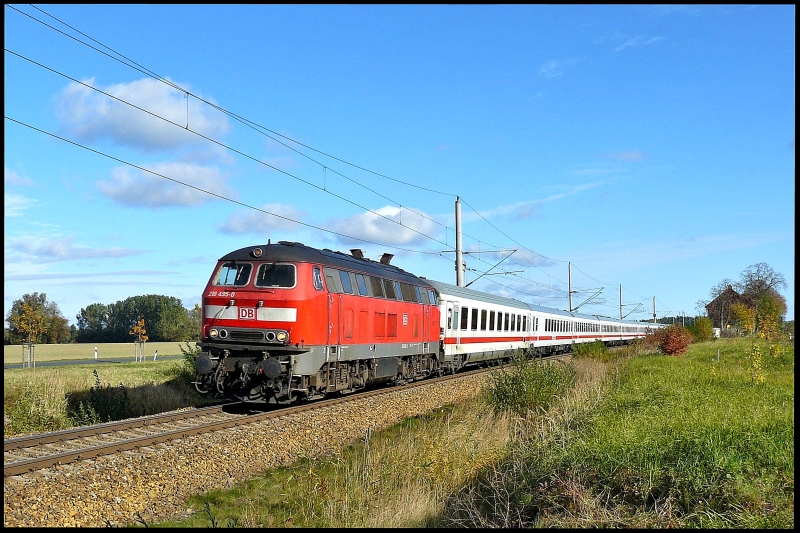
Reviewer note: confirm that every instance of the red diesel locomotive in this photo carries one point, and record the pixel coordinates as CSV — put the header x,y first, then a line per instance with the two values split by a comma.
x,y
287,321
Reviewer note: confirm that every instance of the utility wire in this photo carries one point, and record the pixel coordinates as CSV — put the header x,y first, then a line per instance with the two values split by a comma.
x,y
222,145
232,149
220,196
144,70
257,127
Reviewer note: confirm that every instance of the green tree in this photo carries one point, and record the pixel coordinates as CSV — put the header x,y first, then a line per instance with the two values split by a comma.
x,y
195,322
166,318
93,324
33,319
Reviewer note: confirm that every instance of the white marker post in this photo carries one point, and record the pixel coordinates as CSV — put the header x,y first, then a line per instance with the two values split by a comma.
x,y
95,352
155,355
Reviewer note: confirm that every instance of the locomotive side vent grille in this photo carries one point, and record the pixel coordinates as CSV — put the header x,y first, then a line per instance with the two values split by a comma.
x,y
245,335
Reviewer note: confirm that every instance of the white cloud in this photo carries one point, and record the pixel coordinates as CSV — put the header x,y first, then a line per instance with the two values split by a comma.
x,y
639,40
89,115
523,210
138,188
550,70
262,223
410,228
54,249
627,156
16,204
12,178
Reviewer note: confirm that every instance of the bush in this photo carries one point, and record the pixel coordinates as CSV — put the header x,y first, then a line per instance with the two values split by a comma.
x,y
526,385
702,331
594,350
674,340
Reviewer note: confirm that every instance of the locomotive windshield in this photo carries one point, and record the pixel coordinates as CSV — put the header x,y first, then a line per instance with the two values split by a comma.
x,y
233,274
275,275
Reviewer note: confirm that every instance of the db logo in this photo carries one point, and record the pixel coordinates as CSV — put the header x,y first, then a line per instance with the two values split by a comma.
x,y
247,313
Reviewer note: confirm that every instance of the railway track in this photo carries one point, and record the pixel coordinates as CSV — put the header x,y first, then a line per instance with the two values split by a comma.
x,y
26,454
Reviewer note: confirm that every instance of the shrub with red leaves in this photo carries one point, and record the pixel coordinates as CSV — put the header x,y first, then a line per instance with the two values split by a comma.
x,y
674,340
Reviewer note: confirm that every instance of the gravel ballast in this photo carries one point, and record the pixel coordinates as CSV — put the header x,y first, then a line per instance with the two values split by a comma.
x,y
153,484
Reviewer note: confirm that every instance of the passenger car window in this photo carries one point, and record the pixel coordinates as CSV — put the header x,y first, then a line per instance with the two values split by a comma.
x,y
464,317
233,274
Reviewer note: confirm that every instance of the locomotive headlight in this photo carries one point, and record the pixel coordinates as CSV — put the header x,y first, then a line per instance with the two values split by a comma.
x,y
213,333
281,336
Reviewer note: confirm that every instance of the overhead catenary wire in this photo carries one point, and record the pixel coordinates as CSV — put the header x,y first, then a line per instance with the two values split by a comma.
x,y
144,70
262,129
155,115
220,196
222,145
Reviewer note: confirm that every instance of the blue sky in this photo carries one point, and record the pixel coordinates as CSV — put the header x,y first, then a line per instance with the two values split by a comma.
x,y
649,146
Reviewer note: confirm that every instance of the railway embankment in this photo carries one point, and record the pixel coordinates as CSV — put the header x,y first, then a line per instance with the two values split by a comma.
x,y
153,483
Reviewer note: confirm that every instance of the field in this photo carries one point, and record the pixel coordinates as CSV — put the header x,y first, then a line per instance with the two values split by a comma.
x,y
69,352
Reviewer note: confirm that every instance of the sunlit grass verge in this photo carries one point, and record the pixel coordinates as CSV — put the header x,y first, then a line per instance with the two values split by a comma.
x,y
52,398
397,477
676,442
594,349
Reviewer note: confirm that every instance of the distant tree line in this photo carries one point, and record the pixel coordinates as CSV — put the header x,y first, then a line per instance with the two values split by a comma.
x,y
33,319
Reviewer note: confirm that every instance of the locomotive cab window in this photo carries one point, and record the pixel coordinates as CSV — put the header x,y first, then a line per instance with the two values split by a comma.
x,y
317,278
276,275
233,274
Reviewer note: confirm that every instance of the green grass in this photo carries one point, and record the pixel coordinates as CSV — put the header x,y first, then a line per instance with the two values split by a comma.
x,y
68,352
52,398
676,442
400,477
